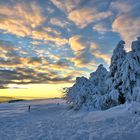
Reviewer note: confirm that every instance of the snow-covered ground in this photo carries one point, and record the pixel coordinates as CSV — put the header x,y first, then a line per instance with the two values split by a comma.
x,y
49,120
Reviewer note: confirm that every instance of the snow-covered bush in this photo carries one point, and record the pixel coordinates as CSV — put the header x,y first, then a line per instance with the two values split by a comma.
x,y
105,89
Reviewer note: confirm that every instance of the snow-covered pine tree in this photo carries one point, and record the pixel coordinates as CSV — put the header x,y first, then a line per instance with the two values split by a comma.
x,y
131,73
103,90
136,51
98,78
115,83
128,76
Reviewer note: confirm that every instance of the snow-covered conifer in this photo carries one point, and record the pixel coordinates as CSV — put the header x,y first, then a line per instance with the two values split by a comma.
x,y
105,89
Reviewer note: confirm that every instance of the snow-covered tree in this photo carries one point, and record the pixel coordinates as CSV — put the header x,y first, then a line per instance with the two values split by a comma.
x,y
105,89
131,73
86,93
128,76
136,56
114,79
98,78
77,95
125,74
117,58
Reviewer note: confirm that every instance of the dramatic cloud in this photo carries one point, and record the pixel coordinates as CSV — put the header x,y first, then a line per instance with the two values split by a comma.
x,y
76,43
128,19
20,18
52,41
127,26
83,57
82,12
83,49
66,5
103,56
43,35
20,69
82,17
26,76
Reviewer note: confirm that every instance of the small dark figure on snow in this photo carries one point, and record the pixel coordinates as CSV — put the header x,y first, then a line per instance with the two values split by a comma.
x,y
29,108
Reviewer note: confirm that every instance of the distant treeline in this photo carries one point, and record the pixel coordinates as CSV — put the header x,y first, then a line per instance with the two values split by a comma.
x,y
9,99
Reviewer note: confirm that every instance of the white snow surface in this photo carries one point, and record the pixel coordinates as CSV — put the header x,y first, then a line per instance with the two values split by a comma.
x,y
52,120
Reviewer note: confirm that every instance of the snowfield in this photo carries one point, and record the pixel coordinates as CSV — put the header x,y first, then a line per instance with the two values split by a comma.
x,y
52,120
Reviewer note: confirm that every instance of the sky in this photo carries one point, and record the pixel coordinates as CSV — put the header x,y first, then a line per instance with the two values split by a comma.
x,y
46,44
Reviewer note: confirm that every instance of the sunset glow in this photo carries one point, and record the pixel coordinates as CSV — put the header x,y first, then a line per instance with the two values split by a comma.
x,y
46,44
35,91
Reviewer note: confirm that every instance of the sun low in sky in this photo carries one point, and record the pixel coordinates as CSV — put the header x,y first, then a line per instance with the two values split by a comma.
x,y
46,44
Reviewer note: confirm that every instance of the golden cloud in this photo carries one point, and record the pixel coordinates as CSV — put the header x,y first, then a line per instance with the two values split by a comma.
x,y
15,68
83,60
51,30
21,18
82,17
105,57
128,27
83,51
42,35
93,46
66,5
127,21
76,43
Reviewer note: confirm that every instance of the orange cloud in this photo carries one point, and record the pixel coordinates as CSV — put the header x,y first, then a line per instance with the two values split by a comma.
x,y
42,35
82,17
66,5
127,20
128,27
94,46
105,57
51,30
76,43
21,18
83,51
